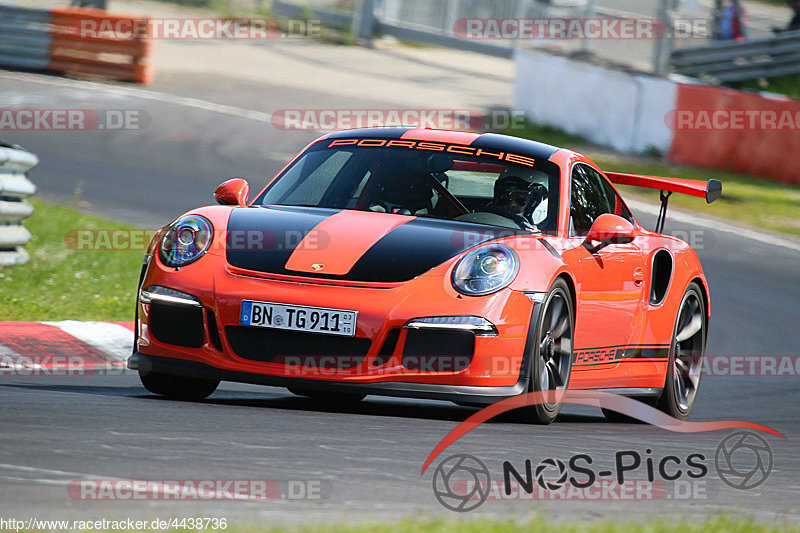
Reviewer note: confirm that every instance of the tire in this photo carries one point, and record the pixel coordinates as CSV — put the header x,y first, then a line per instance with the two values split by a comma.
x,y
686,353
178,387
334,397
550,353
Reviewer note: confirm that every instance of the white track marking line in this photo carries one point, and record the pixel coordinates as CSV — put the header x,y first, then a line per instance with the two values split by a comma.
x,y
140,93
717,225
8,360
5,351
113,339
155,487
23,468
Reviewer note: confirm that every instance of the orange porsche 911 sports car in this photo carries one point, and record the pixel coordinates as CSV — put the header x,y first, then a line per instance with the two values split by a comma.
x,y
430,264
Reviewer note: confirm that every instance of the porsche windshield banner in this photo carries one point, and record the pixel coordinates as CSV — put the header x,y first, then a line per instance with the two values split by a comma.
x,y
458,149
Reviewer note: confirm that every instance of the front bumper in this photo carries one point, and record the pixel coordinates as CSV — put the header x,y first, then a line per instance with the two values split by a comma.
x,y
432,391
496,366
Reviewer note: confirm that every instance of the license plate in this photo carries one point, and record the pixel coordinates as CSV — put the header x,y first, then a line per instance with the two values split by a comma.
x,y
298,318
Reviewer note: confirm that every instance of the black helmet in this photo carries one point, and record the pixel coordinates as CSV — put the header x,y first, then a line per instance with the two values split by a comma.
x,y
514,187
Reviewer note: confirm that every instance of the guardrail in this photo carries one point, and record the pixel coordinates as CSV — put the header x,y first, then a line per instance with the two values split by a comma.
x,y
435,22
55,40
24,37
722,61
368,22
15,187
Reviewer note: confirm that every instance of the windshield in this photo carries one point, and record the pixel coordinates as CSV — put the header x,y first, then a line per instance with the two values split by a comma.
x,y
493,188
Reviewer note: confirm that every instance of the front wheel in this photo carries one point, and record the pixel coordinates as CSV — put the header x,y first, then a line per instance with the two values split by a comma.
x,y
551,351
685,356
178,387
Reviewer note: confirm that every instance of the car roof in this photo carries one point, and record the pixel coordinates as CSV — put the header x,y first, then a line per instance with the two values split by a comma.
x,y
487,141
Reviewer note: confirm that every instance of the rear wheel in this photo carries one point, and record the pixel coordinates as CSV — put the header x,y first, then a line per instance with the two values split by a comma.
x,y
551,354
685,356
335,397
178,387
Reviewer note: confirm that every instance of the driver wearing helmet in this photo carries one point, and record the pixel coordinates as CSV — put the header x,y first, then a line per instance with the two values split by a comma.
x,y
515,197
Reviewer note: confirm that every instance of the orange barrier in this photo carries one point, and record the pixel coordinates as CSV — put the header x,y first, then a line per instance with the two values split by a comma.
x,y
88,41
737,130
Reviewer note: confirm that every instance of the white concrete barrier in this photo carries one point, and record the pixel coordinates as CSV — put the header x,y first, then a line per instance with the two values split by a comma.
x,y
618,109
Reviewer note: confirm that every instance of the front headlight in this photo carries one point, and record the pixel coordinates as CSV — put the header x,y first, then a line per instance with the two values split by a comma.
x,y
485,270
185,240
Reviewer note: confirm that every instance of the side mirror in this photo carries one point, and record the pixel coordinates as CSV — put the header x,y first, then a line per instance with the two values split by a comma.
x,y
609,229
233,192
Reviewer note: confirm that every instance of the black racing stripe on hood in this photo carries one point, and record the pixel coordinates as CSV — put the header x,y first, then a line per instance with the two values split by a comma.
x,y
418,246
494,141
263,238
402,254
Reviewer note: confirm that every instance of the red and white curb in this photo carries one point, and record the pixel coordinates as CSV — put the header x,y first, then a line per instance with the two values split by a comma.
x,y
66,347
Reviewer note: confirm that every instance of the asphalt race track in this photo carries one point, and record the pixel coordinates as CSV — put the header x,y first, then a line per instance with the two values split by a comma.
x,y
366,458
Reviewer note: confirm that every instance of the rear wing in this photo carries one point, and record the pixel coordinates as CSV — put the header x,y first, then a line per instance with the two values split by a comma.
x,y
710,190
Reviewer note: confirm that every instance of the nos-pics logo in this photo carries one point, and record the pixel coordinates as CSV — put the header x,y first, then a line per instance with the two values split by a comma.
x,y
462,482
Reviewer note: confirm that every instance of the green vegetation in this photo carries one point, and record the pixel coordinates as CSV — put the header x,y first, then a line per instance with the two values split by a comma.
x,y
549,135
61,282
747,199
440,525
788,85
727,525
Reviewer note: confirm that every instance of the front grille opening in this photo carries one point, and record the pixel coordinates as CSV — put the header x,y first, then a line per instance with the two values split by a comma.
x,y
387,349
297,348
433,350
213,330
177,324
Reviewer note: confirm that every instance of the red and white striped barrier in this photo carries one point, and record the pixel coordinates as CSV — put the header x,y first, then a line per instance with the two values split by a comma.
x,y
691,123
68,347
66,39
735,130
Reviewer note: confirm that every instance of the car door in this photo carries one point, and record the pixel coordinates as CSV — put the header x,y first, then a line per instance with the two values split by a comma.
x,y
611,280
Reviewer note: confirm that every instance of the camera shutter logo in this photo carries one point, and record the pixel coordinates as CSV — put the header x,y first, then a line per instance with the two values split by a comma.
x,y
454,471
550,484
743,460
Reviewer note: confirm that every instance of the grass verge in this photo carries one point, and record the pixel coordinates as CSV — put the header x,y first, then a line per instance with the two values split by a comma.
x,y
728,525
710,525
788,85
60,282
750,200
